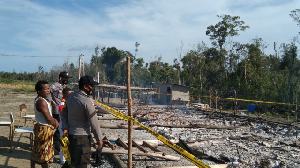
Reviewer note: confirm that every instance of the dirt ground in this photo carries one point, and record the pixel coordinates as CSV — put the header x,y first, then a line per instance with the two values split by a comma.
x,y
20,156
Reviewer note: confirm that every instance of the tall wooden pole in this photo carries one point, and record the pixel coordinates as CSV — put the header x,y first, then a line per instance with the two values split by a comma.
x,y
129,163
297,115
81,66
98,88
210,105
216,100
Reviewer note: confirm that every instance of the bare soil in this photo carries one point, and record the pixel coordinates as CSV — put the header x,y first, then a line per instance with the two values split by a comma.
x,y
19,156
9,103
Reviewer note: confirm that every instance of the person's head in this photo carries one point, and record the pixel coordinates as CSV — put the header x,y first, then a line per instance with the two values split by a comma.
x,y
63,77
86,83
66,91
42,88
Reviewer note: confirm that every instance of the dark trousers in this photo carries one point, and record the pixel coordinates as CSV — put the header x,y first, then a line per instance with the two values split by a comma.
x,y
56,136
80,150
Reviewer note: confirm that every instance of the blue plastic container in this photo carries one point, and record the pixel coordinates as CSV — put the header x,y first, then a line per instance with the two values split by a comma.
x,y
251,107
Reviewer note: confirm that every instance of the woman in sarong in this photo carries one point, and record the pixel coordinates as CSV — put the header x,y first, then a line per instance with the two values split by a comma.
x,y
42,151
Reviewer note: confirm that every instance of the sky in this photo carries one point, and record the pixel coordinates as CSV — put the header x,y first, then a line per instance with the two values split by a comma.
x,y
48,33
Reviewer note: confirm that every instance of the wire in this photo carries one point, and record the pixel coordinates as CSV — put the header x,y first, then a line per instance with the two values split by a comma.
x,y
32,56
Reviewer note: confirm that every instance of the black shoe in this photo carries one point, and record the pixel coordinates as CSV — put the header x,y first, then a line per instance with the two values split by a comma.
x,y
67,164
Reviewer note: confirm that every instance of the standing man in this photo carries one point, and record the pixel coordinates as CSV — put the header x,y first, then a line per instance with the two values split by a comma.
x,y
80,119
57,87
56,96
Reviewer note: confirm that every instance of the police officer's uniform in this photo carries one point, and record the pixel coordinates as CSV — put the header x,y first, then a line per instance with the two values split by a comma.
x,y
79,118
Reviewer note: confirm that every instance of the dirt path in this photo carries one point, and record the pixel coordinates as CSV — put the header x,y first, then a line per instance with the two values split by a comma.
x,y
20,156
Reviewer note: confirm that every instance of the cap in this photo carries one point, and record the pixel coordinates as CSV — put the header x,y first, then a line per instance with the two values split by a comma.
x,y
87,80
64,74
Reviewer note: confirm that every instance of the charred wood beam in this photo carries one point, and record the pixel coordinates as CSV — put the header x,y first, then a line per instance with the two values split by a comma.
x,y
138,153
150,146
199,154
194,126
211,166
119,127
139,147
122,143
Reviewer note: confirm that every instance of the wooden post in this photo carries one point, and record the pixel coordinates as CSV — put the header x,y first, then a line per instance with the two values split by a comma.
x,y
235,105
98,89
108,96
289,111
210,99
297,113
129,162
216,99
102,98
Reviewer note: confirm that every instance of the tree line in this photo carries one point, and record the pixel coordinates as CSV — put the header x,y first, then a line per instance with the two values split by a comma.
x,y
222,66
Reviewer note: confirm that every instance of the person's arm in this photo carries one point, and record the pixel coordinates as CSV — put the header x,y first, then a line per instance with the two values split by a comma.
x,y
92,115
42,107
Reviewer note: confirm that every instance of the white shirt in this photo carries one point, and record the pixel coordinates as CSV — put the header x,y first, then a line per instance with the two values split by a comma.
x,y
39,116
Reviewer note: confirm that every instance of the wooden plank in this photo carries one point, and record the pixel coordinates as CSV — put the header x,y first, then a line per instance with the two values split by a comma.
x,y
122,143
138,153
107,118
119,163
119,126
150,146
211,166
106,142
185,146
193,126
139,147
154,142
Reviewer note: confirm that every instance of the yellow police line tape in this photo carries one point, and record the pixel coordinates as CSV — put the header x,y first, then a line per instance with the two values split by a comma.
x,y
254,101
164,140
257,101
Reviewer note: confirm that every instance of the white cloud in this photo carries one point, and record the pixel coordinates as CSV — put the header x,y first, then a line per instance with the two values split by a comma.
x,y
159,25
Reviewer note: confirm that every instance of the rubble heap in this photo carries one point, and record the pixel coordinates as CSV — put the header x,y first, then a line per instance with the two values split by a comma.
x,y
237,140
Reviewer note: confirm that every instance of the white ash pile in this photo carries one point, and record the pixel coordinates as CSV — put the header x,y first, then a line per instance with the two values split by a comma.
x,y
234,140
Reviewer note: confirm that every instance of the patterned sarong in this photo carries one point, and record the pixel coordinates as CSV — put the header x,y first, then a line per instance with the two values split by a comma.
x,y
42,151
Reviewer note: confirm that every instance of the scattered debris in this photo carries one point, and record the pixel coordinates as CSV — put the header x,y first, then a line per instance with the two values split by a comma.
x,y
239,141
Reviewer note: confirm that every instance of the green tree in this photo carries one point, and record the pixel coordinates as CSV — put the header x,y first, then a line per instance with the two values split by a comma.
x,y
193,71
96,65
162,72
295,14
251,71
113,58
229,26
290,64
203,69
214,68
140,73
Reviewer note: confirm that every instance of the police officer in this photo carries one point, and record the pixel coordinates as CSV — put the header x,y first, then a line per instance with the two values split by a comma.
x,y
79,120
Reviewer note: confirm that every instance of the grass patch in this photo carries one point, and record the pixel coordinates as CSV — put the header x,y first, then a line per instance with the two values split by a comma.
x,y
17,86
